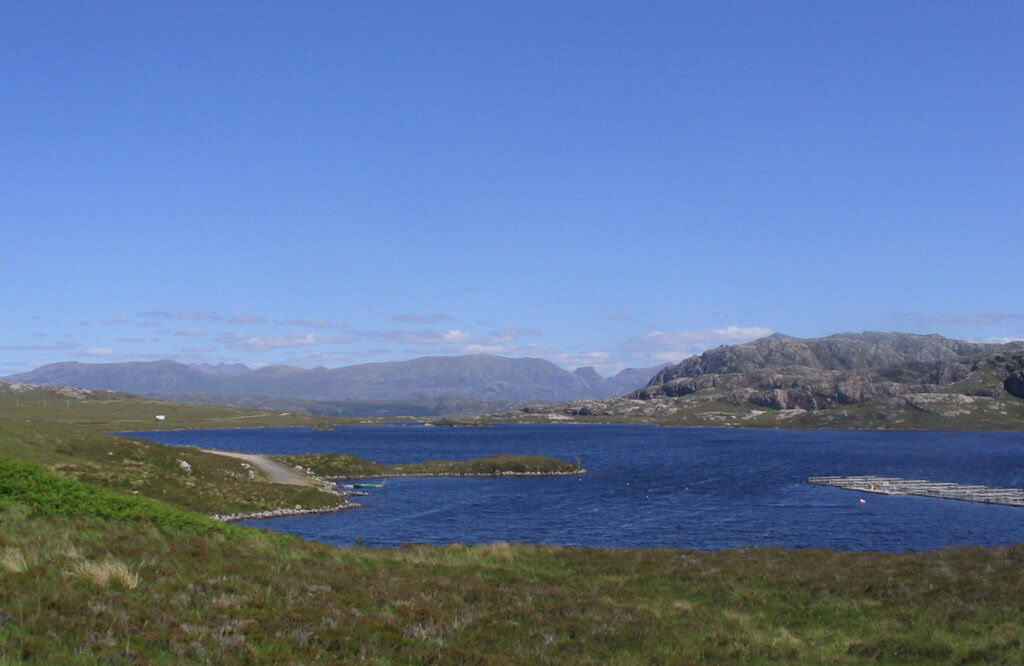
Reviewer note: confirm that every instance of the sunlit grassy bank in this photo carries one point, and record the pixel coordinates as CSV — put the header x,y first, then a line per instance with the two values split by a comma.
x,y
183,476
91,576
94,571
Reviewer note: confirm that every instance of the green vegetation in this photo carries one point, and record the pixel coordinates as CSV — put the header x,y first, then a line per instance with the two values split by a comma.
x,y
94,568
207,483
51,495
465,422
343,466
110,410
489,466
90,576
334,465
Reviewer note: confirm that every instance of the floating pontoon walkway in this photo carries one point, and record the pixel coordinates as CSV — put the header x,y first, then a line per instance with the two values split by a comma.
x,y
888,485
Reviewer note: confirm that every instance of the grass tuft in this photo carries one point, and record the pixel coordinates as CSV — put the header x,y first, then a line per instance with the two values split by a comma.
x,y
13,560
107,571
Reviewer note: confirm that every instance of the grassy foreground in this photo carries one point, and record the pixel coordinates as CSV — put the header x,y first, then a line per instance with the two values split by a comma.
x,y
91,576
93,570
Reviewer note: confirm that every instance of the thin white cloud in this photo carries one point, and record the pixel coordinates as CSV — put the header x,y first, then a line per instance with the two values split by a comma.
x,y
488,349
502,337
601,360
370,353
261,344
310,323
323,359
673,346
191,333
184,314
274,342
422,319
116,319
99,351
249,319
426,337
203,316
588,358
455,337
57,346
968,319
304,323
508,334
742,333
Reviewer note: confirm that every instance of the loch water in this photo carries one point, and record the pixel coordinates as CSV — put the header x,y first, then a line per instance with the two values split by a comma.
x,y
648,486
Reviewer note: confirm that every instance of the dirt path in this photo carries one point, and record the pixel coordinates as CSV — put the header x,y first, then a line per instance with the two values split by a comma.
x,y
277,472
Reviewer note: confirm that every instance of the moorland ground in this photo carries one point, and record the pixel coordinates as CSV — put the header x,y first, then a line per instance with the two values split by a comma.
x,y
106,556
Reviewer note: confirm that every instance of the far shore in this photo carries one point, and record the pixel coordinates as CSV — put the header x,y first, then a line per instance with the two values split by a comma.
x,y
455,474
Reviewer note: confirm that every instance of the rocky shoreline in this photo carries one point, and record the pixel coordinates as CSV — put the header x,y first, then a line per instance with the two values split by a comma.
x,y
296,511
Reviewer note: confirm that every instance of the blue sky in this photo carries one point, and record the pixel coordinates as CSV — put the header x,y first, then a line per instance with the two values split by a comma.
x,y
596,183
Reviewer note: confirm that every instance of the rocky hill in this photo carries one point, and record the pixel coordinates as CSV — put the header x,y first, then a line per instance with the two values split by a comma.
x,y
844,380
481,376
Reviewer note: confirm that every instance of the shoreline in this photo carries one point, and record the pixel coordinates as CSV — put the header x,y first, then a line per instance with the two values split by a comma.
x,y
658,424
281,513
284,512
454,474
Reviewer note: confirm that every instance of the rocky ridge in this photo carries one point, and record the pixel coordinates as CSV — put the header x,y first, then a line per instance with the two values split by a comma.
x,y
843,380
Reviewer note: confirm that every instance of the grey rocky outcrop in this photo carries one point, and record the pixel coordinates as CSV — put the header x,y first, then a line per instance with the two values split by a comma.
x,y
781,372
1014,382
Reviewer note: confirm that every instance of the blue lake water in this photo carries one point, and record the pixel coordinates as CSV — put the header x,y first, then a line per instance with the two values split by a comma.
x,y
700,488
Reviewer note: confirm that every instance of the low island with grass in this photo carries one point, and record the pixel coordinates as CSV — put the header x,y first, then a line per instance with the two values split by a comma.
x,y
344,466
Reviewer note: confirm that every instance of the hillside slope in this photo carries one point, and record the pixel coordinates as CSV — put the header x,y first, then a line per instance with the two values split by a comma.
x,y
893,380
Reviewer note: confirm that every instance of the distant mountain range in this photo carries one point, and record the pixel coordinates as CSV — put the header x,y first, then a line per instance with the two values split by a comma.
x,y
480,377
861,380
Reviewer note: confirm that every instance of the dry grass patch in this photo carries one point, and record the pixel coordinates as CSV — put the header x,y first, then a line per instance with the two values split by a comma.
x,y
13,560
106,572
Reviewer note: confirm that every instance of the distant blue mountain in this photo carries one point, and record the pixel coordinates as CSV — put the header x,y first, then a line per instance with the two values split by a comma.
x,y
480,376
